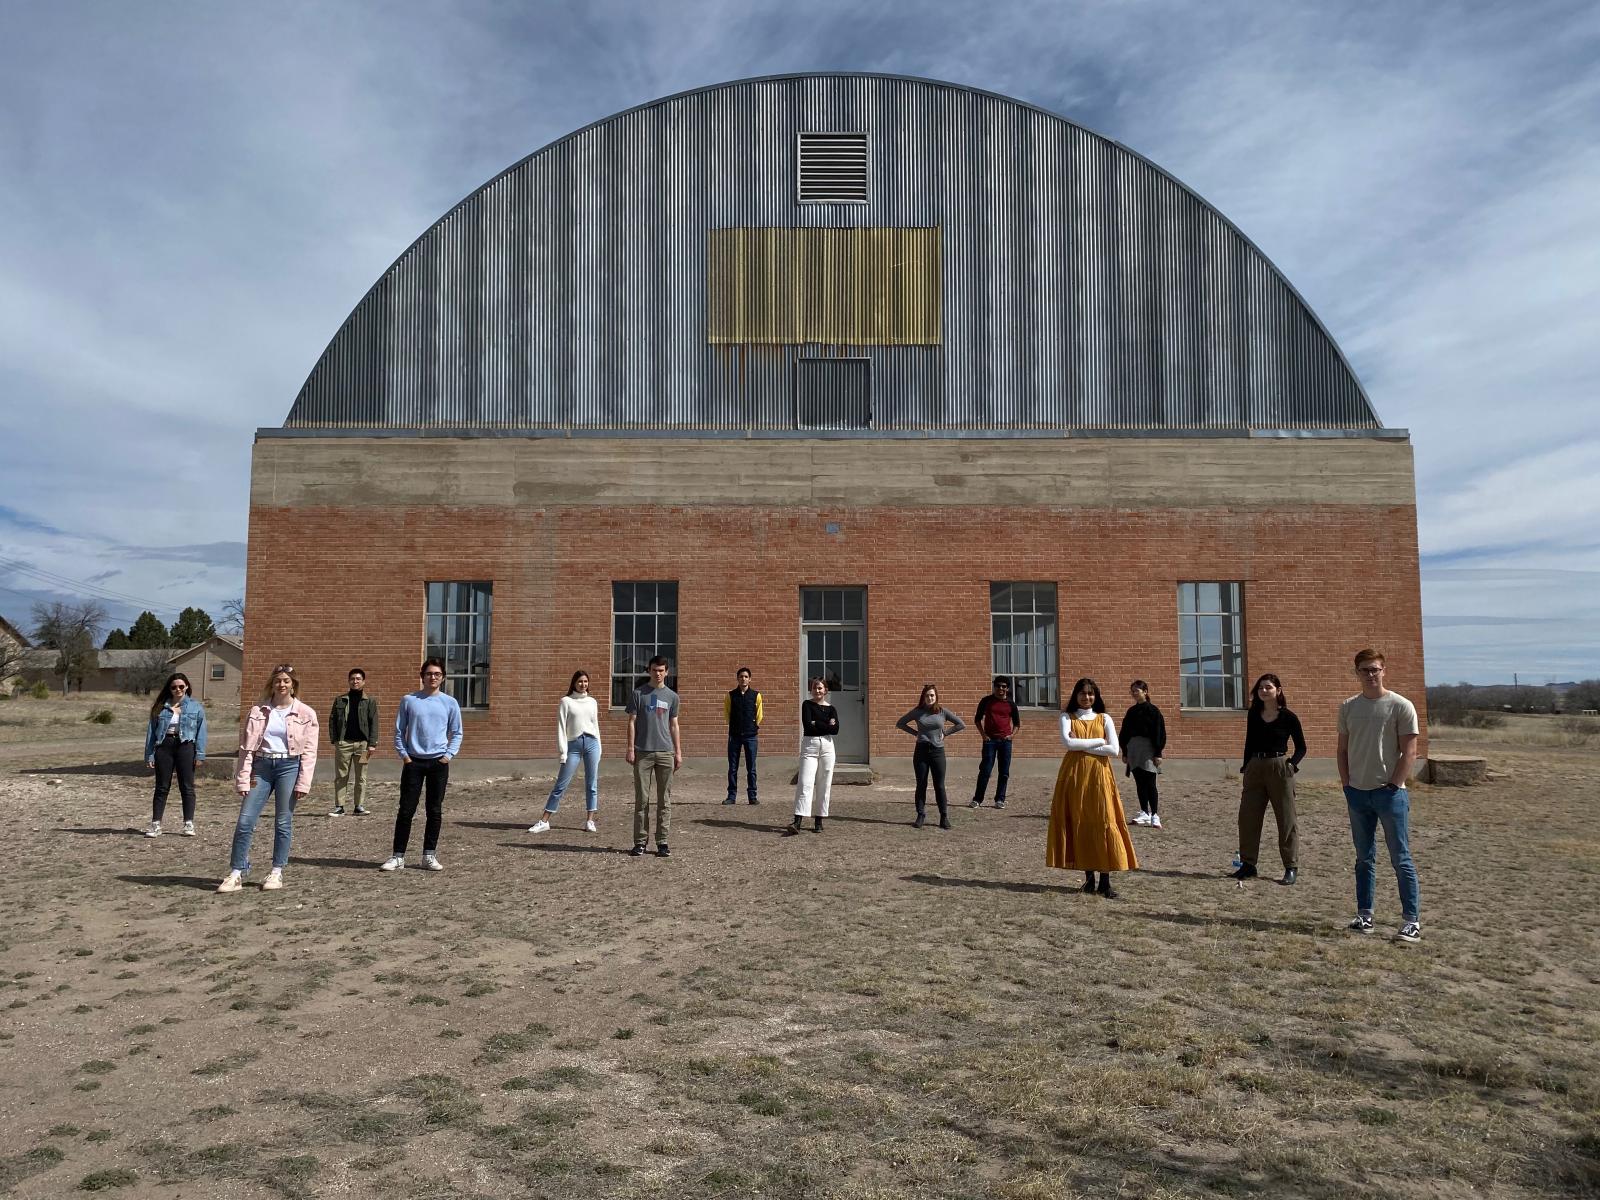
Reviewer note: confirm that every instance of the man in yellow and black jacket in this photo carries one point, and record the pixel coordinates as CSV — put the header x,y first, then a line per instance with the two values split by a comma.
x,y
742,710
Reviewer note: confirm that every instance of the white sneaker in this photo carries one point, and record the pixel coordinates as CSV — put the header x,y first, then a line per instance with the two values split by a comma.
x,y
539,826
153,829
1141,818
395,863
590,827
188,829
1155,820
233,883
431,862
273,881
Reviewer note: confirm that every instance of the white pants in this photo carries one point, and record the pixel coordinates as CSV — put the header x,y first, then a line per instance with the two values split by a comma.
x,y
816,767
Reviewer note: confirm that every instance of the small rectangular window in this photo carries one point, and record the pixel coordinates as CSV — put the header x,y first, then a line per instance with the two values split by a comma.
x,y
1211,645
832,168
219,671
644,623
1022,620
833,393
457,630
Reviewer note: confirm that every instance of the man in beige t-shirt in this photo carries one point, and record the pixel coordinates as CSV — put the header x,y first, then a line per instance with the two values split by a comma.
x,y
1377,747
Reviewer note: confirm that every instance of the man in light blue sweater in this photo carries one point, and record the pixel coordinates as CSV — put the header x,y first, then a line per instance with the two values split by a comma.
x,y
427,735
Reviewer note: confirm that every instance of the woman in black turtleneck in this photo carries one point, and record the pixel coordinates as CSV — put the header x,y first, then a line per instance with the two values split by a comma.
x,y
1269,772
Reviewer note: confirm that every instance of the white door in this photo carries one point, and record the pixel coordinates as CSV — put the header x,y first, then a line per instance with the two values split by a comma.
x,y
833,646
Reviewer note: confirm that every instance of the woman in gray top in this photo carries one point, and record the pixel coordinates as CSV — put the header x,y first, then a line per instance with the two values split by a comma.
x,y
929,724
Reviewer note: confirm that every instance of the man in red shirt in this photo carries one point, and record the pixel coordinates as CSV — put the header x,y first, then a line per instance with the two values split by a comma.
x,y
997,719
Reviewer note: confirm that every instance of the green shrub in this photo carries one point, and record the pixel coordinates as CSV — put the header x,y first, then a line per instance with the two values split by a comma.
x,y
40,690
101,716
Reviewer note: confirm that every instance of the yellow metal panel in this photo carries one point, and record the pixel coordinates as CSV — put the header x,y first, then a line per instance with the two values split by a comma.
x,y
841,287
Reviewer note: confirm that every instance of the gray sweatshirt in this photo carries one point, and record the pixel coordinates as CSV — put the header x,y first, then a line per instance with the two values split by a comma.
x,y
928,724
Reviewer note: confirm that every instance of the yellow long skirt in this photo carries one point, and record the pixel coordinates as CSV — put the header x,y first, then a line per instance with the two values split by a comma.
x,y
1087,829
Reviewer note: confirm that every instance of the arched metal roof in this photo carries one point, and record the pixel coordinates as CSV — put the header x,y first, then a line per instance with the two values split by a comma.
x,y
1080,287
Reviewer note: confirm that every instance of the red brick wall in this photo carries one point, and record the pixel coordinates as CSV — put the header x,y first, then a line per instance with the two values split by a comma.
x,y
1320,583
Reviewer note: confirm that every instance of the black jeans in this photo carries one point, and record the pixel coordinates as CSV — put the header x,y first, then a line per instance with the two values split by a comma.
x,y
928,759
994,750
745,742
1145,781
435,773
173,757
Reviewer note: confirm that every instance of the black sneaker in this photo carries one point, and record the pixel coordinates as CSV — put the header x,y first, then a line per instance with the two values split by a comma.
x,y
730,800
753,800
637,851
362,811
1411,931
662,851
1246,871
999,803
1360,924
976,804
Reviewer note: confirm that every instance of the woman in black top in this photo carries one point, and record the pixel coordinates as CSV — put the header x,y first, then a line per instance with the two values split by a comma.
x,y
1269,772
819,721
1144,740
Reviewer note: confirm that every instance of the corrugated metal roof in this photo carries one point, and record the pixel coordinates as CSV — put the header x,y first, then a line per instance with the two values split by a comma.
x,y
1083,288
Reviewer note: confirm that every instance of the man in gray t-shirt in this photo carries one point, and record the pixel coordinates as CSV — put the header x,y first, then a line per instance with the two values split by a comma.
x,y
1377,747
654,747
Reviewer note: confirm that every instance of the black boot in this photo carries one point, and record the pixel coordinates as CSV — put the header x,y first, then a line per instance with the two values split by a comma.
x,y
1088,882
1246,871
792,829
922,819
816,824
944,818
1105,889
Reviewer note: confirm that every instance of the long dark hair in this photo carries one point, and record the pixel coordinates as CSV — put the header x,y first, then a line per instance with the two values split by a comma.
x,y
572,685
1072,701
165,693
1255,694
923,694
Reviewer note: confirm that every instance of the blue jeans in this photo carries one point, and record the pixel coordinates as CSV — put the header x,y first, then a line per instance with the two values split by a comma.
x,y
993,749
746,743
584,748
1391,807
275,777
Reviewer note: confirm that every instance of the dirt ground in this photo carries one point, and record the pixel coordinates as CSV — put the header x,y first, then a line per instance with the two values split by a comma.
x,y
874,1012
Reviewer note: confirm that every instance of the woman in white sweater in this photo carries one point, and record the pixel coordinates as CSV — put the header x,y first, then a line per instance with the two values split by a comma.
x,y
578,739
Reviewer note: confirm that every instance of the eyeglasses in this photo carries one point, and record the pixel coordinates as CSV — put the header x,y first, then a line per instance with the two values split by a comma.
x,y
433,674
1369,670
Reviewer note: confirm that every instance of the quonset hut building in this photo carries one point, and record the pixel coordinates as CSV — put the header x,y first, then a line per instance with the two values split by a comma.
x,y
881,379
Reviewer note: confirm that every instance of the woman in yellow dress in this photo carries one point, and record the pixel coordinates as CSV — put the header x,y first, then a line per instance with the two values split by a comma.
x,y
1088,832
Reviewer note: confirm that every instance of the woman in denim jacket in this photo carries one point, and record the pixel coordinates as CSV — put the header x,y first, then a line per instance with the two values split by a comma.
x,y
279,747
174,744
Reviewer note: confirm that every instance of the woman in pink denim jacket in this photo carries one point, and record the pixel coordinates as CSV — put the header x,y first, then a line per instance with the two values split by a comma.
x,y
279,747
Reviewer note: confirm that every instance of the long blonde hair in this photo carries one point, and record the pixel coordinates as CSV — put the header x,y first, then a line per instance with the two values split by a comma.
x,y
281,669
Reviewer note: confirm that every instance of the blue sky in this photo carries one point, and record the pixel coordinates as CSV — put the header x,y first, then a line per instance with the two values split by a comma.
x,y
194,195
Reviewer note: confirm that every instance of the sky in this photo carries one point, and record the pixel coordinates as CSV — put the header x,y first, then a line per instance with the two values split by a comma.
x,y
193,196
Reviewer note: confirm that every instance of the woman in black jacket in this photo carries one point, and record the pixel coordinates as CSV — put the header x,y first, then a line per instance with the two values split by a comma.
x,y
1144,741
1269,773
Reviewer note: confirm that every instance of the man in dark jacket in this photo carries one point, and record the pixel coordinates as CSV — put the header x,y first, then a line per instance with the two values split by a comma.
x,y
742,708
353,729
997,719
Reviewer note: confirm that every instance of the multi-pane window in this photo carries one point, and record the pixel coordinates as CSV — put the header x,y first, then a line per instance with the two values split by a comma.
x,y
219,671
1022,620
1211,645
644,623
458,632
834,655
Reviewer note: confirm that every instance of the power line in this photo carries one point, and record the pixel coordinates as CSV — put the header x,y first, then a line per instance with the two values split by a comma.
x,y
93,591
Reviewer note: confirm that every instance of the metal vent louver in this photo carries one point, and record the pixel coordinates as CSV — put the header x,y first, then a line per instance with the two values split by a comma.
x,y
833,393
832,168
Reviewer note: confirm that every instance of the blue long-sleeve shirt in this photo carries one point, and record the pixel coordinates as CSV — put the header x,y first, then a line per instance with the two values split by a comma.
x,y
428,726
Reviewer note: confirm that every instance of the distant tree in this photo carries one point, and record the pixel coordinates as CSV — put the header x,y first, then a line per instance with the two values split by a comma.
x,y
147,632
10,658
192,627
148,672
117,639
72,630
233,615
1579,696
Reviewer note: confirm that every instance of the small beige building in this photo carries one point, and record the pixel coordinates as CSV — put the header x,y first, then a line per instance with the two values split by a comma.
x,y
214,669
12,646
